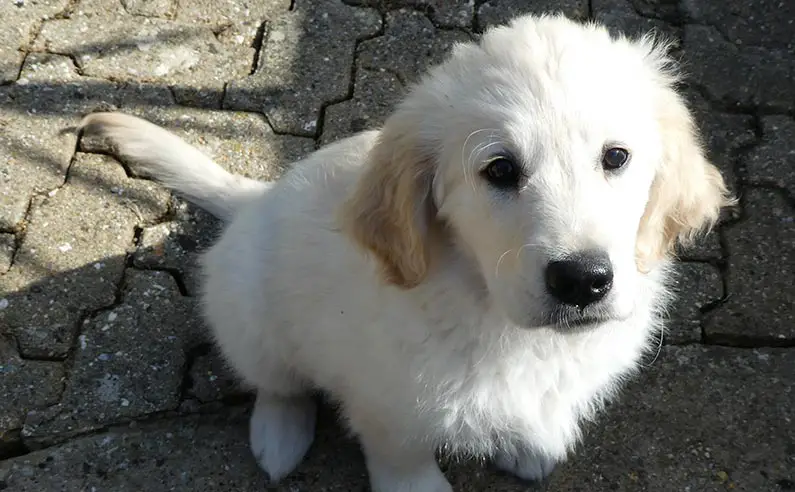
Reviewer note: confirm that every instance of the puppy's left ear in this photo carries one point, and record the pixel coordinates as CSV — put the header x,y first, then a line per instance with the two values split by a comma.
x,y
390,211
688,192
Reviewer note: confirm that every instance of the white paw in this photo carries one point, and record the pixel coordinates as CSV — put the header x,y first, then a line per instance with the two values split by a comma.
x,y
281,431
527,464
428,478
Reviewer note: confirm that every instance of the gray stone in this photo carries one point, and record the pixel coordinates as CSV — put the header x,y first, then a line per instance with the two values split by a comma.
x,y
375,95
25,385
724,135
706,247
726,410
150,8
129,363
761,269
231,13
176,245
48,69
700,418
305,63
101,8
656,9
72,256
498,12
739,75
7,248
234,23
34,149
773,161
187,56
621,16
696,285
767,24
212,378
409,47
17,29
208,453
447,13
457,13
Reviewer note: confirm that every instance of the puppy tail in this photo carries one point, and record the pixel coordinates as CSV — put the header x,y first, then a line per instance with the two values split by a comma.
x,y
153,152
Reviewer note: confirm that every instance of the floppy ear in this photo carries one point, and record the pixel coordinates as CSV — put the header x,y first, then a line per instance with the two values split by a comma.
x,y
390,210
687,194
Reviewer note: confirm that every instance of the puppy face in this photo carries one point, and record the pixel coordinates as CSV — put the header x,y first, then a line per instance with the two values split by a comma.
x,y
559,160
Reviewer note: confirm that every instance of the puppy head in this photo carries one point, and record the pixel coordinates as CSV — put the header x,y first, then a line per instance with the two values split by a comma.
x,y
558,160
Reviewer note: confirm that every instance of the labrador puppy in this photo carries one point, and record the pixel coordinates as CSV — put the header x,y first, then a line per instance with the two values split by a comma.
x,y
479,275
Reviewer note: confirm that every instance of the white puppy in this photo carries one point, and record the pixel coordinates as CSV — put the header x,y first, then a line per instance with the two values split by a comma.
x,y
478,275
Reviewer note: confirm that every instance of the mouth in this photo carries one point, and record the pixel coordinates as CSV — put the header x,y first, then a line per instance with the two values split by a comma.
x,y
573,319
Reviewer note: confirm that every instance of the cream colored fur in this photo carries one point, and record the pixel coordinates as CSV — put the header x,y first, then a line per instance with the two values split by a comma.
x,y
385,270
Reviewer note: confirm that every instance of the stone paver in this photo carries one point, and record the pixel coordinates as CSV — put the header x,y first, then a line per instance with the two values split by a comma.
x,y
34,150
7,249
150,8
70,261
701,418
152,50
211,379
739,76
375,93
447,13
109,380
636,18
761,271
19,25
773,161
409,46
129,361
386,65
25,385
698,286
494,12
767,24
294,79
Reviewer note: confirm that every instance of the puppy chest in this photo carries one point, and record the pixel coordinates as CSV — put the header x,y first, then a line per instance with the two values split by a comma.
x,y
487,413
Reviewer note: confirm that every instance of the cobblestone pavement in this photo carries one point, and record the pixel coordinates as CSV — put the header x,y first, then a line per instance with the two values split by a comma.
x,y
107,379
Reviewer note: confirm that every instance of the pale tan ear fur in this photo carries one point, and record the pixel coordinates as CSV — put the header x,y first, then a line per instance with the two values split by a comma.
x,y
389,212
687,194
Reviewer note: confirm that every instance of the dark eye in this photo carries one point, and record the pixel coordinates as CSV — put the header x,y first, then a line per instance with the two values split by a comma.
x,y
615,158
502,172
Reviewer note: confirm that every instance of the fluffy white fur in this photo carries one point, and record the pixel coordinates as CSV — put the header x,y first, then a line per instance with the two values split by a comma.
x,y
386,271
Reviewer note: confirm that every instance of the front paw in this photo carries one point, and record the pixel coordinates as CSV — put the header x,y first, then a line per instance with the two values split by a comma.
x,y
526,464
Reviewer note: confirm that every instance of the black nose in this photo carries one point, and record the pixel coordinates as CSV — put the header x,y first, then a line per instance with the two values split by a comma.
x,y
581,278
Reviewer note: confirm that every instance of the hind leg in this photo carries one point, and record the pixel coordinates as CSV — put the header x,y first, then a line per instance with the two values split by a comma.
x,y
282,426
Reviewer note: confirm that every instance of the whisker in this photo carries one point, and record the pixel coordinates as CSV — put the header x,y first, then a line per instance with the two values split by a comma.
x,y
463,150
527,245
659,349
466,161
475,154
497,268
